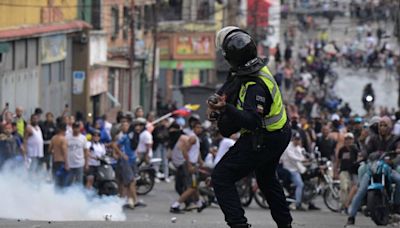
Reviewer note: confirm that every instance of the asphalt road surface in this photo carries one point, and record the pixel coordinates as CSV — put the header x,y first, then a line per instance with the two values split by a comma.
x,y
156,214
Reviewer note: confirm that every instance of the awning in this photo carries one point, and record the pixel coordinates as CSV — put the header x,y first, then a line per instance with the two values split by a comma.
x,y
114,64
42,29
187,64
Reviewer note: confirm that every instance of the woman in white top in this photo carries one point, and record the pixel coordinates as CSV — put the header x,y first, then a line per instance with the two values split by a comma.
x,y
96,151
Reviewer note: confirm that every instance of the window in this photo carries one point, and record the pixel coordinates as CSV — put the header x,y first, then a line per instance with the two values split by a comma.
x,y
178,78
204,76
127,23
111,86
148,17
170,10
96,15
205,10
138,18
114,22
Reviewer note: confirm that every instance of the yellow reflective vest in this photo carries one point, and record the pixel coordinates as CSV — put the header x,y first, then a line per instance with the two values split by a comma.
x,y
276,118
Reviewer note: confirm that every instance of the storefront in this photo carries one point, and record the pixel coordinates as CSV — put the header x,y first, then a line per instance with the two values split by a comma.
x,y
186,59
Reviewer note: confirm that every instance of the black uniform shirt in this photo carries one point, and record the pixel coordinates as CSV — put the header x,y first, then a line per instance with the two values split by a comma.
x,y
257,104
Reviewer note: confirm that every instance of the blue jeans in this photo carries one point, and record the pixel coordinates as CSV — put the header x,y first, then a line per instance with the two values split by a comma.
x,y
363,189
298,182
161,152
74,176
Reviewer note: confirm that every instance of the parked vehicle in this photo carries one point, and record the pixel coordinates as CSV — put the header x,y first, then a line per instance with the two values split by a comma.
x,y
380,189
105,182
145,179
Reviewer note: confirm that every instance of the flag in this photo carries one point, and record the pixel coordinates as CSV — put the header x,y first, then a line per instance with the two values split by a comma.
x,y
192,107
182,112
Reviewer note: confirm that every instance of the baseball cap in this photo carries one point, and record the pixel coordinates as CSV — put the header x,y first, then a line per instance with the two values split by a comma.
x,y
349,135
76,125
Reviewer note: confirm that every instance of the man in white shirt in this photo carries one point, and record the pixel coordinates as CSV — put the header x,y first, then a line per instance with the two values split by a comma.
x,y
292,159
212,159
33,143
77,155
191,174
144,149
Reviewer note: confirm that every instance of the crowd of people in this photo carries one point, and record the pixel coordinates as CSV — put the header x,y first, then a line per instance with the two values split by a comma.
x,y
68,148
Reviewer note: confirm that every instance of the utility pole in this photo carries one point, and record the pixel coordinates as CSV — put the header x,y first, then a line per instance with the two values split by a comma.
x,y
131,53
255,21
153,90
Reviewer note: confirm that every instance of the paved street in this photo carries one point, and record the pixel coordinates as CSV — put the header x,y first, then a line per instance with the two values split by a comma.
x,y
351,82
156,215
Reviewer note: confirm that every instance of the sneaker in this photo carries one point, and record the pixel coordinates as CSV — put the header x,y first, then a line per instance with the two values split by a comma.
x,y
159,175
167,180
350,221
156,180
140,204
202,207
312,207
191,206
129,206
175,210
396,209
300,208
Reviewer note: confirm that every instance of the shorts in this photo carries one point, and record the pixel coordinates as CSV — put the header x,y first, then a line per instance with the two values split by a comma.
x,y
92,171
126,171
184,179
59,173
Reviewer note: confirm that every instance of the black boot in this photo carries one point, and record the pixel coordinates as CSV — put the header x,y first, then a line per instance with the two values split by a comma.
x,y
396,209
240,226
285,226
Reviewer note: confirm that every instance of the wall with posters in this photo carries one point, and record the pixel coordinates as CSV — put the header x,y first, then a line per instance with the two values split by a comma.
x,y
186,59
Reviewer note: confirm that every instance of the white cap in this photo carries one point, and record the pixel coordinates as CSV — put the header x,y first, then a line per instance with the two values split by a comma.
x,y
349,135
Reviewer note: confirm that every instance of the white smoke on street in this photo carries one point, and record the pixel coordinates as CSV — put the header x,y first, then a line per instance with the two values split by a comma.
x,y
24,196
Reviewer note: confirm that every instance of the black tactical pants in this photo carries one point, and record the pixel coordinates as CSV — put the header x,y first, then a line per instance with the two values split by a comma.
x,y
238,162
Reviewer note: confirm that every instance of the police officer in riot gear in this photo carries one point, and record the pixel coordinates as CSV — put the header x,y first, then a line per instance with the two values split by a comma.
x,y
249,102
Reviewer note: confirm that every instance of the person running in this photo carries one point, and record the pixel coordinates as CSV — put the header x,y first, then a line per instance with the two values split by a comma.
x,y
59,150
186,157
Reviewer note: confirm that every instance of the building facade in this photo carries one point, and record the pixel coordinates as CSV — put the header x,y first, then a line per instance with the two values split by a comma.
x,y
40,52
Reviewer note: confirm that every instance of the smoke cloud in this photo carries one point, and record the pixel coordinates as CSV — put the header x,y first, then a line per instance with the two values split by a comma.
x,y
24,196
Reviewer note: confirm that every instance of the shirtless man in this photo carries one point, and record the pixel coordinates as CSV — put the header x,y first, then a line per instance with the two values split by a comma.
x,y
58,148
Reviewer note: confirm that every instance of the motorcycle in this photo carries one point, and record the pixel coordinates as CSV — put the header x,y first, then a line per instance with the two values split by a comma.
x,y
145,179
380,191
206,190
248,190
105,182
318,179
368,102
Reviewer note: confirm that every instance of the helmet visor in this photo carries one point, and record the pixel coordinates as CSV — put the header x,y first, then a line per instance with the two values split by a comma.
x,y
221,34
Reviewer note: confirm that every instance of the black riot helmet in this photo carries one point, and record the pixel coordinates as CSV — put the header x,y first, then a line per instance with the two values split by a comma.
x,y
238,47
